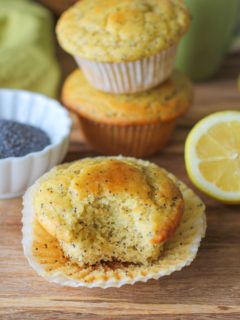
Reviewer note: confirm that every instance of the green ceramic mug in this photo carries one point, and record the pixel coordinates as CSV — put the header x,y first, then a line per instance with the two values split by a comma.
x,y
202,50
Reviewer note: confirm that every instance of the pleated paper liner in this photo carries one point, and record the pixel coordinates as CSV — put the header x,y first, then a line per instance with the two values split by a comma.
x,y
128,140
46,257
129,77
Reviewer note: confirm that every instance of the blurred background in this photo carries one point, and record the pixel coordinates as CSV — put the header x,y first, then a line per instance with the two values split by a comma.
x,y
29,54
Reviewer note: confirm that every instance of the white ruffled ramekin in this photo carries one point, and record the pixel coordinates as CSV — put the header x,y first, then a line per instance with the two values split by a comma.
x,y
129,77
18,173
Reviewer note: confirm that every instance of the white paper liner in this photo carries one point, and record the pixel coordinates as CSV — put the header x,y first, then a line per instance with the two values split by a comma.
x,y
177,253
129,77
18,173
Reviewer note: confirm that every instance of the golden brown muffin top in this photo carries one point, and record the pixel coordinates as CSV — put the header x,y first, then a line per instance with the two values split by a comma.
x,y
125,30
138,187
161,104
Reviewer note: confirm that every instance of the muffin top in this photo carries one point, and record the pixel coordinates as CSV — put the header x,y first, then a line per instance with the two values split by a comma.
x,y
115,203
163,103
119,31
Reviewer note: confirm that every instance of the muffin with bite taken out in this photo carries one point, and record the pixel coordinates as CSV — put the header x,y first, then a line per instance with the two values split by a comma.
x,y
109,221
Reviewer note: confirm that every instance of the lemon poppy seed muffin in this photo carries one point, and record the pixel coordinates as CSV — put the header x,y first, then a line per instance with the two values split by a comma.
x,y
138,124
124,46
120,31
164,103
107,204
109,209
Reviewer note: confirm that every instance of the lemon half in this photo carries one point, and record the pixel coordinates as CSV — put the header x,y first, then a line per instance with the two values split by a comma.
x,y
212,156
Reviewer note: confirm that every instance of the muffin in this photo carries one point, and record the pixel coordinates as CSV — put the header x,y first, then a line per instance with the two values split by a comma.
x,y
124,46
135,125
104,221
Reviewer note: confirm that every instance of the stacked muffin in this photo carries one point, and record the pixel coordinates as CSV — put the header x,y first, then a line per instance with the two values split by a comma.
x,y
127,95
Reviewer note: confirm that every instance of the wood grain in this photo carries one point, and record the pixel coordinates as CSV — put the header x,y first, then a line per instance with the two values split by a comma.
x,y
208,289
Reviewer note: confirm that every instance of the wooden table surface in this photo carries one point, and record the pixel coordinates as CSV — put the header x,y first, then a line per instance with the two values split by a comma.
x,y
208,289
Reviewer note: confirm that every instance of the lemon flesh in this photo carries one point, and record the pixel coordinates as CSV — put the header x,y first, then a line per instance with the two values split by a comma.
x,y
212,156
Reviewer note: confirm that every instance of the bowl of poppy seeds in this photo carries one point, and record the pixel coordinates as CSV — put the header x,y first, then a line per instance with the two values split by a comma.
x,y
34,137
13,138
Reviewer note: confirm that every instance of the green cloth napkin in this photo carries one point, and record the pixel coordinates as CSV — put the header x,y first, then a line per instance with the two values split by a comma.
x,y
27,59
